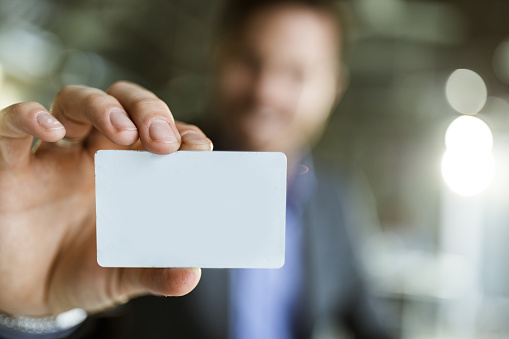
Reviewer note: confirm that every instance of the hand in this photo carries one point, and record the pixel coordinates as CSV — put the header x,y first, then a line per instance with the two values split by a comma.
x,y
47,201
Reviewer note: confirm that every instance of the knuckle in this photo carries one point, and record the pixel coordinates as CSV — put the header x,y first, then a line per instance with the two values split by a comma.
x,y
13,111
22,111
64,91
117,84
148,103
22,107
65,94
194,129
94,100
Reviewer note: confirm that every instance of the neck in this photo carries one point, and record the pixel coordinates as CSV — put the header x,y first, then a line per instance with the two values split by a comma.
x,y
224,141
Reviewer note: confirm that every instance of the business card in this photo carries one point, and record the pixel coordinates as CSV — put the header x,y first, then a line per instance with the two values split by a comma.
x,y
190,209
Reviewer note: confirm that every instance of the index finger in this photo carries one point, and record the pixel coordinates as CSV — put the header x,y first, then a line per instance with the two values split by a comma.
x,y
151,115
18,124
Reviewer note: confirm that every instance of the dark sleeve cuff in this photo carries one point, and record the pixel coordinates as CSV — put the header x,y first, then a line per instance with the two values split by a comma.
x,y
9,333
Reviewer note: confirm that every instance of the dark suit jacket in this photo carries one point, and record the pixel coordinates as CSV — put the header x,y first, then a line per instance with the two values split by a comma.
x,y
335,296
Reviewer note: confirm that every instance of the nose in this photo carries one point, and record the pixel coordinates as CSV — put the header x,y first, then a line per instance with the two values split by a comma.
x,y
270,88
265,88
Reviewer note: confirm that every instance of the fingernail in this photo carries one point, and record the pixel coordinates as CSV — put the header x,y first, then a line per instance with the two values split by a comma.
x,y
121,122
160,130
194,138
48,122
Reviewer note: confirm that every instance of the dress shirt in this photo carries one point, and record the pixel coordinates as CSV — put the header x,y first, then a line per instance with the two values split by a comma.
x,y
265,303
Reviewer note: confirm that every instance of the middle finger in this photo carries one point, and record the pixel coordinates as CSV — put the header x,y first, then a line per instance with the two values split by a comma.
x,y
151,115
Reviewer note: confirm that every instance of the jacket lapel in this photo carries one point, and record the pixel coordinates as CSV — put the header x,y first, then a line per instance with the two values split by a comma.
x,y
210,302
328,257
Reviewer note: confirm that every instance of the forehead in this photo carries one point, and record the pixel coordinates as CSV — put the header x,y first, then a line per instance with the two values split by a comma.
x,y
292,31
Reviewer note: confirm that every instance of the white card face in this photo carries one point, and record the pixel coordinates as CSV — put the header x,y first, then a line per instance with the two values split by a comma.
x,y
190,209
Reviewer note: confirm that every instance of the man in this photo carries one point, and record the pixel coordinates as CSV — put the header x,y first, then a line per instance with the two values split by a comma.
x,y
278,77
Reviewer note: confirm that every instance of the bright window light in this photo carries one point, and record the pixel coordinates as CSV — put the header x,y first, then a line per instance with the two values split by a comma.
x,y
470,134
467,165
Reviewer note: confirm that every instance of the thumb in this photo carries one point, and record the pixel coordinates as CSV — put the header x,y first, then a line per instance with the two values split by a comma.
x,y
135,282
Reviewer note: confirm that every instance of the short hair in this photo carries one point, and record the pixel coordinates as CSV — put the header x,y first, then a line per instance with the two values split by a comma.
x,y
236,13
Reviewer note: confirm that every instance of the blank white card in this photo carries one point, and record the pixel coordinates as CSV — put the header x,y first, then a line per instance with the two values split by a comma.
x,y
190,209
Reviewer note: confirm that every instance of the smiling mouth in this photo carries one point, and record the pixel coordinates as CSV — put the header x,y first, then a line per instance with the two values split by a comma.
x,y
261,113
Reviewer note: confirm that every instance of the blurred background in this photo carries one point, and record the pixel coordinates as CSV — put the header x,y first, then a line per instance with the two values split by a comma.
x,y
425,122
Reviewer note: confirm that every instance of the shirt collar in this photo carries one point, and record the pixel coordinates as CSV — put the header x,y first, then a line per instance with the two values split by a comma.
x,y
302,183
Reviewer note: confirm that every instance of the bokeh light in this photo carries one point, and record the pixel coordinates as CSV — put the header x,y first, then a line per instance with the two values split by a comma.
x,y
467,165
28,53
470,134
466,91
467,174
501,61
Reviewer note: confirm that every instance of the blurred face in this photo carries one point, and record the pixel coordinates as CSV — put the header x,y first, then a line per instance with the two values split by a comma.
x,y
278,80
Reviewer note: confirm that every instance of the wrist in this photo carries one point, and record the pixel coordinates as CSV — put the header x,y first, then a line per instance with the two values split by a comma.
x,y
48,325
